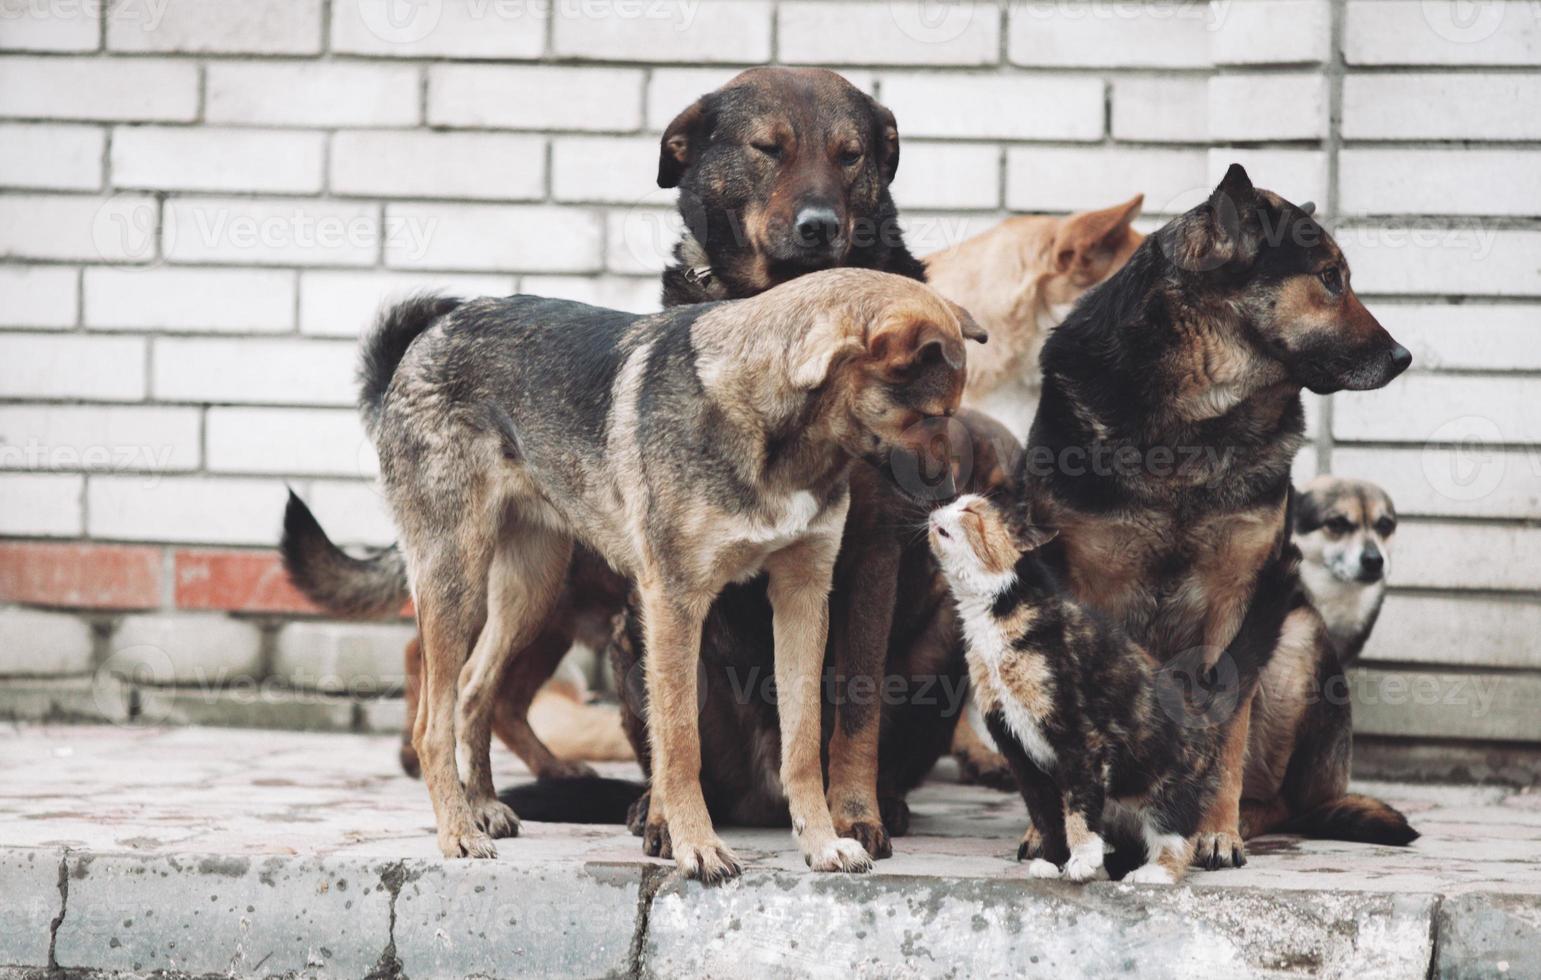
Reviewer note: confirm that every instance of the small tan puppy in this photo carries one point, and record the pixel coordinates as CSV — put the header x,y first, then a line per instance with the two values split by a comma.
x,y
1019,280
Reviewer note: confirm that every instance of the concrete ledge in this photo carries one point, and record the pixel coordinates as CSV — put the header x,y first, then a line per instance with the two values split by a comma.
x,y
215,915
187,852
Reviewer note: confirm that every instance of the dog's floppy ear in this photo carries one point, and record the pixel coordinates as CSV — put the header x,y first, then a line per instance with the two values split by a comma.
x,y
1224,230
830,338
904,341
682,142
888,139
1087,241
970,326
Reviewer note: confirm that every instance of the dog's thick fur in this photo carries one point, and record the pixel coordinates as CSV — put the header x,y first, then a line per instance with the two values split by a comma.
x,y
1019,280
894,671
689,449
1344,529
741,237
782,171
1169,417
1083,713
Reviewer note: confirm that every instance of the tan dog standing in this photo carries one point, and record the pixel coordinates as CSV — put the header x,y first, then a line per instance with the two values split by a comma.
x,y
690,449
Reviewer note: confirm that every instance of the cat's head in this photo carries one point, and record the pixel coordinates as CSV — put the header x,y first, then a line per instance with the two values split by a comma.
x,y
978,544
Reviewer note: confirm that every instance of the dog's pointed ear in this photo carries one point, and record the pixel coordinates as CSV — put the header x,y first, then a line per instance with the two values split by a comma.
x,y
1226,230
1087,241
682,142
887,132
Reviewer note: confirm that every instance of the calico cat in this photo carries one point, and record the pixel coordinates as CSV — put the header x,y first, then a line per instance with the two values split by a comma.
x,y
1084,714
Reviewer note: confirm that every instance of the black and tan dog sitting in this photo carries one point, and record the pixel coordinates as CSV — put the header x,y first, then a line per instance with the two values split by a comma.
x,y
1082,713
690,449
1169,417
1344,529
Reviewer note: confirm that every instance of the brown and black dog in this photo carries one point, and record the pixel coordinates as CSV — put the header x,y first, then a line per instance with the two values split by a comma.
x,y
1169,417
781,171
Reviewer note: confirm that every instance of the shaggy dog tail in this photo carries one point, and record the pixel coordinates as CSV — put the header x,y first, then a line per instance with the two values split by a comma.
x,y
371,587
1361,819
387,344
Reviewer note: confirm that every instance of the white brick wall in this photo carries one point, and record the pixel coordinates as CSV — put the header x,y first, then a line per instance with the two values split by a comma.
x,y
203,204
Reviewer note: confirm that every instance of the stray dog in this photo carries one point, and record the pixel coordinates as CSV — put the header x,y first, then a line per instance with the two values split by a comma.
x,y
1169,418
781,172
689,449
894,671
1019,280
761,164
1344,528
1083,713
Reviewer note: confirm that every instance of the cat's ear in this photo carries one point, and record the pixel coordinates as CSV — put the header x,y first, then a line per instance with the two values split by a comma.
x,y
1031,537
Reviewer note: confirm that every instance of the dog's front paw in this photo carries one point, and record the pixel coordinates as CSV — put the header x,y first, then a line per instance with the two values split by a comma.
x,y
711,861
495,819
468,843
871,835
1039,868
1031,846
636,814
840,854
1223,849
1150,874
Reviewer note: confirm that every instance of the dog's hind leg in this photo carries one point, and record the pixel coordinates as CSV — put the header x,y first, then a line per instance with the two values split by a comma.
x,y
526,672
524,580
800,577
678,824
412,671
450,585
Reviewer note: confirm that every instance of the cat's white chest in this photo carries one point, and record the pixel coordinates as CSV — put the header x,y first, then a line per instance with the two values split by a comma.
x,y
991,649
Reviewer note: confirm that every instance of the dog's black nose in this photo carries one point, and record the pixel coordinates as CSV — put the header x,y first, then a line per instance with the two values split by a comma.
x,y
817,226
1401,357
1371,564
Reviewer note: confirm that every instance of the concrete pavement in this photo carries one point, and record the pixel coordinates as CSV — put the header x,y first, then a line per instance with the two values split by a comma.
x,y
200,852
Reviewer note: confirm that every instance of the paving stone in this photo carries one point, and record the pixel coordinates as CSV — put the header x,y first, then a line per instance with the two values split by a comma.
x,y
491,919
29,903
1488,936
234,916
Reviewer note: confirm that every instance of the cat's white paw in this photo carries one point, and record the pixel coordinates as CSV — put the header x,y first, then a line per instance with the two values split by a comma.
x,y
1150,874
1039,868
1083,868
